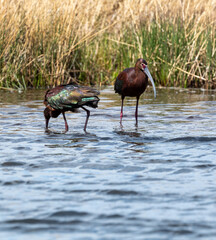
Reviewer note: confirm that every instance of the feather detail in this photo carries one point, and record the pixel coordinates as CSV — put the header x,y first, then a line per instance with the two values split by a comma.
x,y
68,97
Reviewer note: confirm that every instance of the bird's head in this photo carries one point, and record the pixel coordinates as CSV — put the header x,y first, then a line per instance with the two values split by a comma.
x,y
47,113
143,66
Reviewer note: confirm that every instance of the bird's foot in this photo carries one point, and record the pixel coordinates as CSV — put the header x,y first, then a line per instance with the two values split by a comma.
x,y
47,130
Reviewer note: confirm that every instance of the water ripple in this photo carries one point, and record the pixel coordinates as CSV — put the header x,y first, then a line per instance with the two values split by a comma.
x,y
151,181
193,139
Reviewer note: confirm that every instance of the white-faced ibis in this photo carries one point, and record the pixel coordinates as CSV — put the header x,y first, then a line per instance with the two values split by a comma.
x,y
69,97
132,82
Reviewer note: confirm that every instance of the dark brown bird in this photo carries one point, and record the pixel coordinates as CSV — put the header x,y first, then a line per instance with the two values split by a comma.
x,y
132,82
69,97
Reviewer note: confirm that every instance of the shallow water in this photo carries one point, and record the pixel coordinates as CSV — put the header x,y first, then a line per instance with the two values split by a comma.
x,y
153,181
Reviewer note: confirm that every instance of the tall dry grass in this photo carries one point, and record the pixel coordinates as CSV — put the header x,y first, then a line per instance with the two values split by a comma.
x,y
43,42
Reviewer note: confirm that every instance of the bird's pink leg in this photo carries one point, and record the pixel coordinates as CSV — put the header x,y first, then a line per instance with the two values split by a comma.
x,y
121,114
87,117
66,125
136,112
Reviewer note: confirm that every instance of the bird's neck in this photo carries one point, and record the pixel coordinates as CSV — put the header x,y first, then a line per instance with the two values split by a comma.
x,y
47,113
138,71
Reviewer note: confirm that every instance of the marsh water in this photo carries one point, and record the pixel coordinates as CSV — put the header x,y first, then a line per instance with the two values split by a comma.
x,y
156,180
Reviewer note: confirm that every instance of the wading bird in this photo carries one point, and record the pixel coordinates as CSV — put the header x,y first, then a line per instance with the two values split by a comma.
x,y
69,97
132,82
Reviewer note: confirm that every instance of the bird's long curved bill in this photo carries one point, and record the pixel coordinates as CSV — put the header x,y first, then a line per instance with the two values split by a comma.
x,y
151,79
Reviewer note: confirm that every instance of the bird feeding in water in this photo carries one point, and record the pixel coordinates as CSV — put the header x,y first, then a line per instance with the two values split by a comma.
x,y
69,97
132,82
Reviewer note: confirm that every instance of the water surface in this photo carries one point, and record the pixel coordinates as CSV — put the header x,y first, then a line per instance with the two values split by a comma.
x,y
151,181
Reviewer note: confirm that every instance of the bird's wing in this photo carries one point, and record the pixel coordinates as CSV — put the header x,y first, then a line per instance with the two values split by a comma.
x,y
71,96
120,81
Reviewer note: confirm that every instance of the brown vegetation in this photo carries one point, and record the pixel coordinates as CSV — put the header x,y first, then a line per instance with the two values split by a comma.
x,y
42,42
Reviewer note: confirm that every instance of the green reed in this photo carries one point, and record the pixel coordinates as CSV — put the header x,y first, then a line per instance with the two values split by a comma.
x,y
176,55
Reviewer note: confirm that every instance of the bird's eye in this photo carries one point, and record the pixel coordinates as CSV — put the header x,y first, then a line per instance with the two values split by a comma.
x,y
143,65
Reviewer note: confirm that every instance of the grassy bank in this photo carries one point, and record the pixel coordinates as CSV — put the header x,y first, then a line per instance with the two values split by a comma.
x,y
43,43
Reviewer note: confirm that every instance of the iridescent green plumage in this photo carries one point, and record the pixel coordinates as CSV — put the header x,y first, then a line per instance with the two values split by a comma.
x,y
71,96
68,98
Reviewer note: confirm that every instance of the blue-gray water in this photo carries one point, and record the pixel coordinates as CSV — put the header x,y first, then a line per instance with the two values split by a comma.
x,y
154,181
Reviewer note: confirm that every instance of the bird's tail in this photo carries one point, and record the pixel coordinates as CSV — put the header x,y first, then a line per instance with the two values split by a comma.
x,y
93,103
